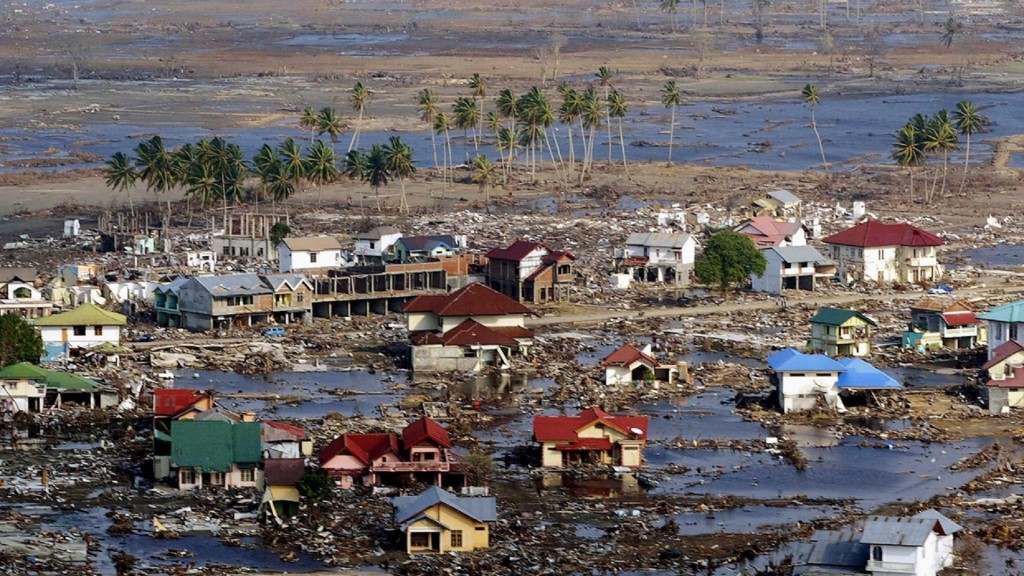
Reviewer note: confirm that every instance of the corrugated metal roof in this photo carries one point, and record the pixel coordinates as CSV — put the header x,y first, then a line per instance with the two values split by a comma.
x,y
836,548
1012,312
84,315
945,524
800,254
173,286
657,239
897,530
312,244
784,196
291,280
790,360
838,317
222,285
214,445
479,509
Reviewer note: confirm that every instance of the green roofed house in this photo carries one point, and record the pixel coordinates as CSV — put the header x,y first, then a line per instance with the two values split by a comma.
x,y
218,452
25,387
84,327
840,332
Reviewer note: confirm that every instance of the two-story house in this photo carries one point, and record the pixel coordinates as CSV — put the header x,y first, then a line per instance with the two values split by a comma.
x,y
308,254
767,232
223,301
437,521
1003,375
466,330
781,203
530,272
422,452
19,294
165,302
79,329
936,323
658,257
838,332
216,450
591,437
875,251
372,245
792,268
293,297
1005,324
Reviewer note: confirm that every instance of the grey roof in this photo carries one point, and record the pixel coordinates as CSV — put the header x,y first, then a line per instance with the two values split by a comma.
x,y
24,274
292,280
657,239
479,509
835,548
377,233
784,196
173,286
800,254
232,285
945,524
898,530
427,243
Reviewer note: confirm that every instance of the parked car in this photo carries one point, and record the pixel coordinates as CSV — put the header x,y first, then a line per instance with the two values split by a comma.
x,y
274,332
145,338
941,289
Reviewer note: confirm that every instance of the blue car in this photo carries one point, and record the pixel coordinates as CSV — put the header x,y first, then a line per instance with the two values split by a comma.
x,y
941,289
274,332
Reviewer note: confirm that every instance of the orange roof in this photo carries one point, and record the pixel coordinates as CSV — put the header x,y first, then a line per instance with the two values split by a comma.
x,y
168,402
425,429
472,333
473,300
627,355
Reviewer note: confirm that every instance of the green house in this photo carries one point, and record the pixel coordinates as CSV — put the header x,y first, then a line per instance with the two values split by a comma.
x,y
840,332
220,453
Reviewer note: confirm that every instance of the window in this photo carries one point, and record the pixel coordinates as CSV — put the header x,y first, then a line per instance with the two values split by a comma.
x,y
79,330
823,374
97,331
419,540
248,475
187,477
216,478
797,375
372,244
227,250
876,553
456,538
1013,331
481,528
429,456
312,257
299,296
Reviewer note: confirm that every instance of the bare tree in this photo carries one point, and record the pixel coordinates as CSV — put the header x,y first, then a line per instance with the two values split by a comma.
x,y
759,8
74,50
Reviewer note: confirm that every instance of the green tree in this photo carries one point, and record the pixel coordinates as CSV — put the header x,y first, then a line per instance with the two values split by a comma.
x,y
908,152
813,98
330,123
320,167
593,113
479,88
484,174
968,121
441,126
293,165
466,116
729,259
278,232
940,137
604,78
264,163
952,30
121,176
568,113
154,163
478,467
359,97
315,485
399,163
617,109
426,103
310,121
376,173
671,97
19,341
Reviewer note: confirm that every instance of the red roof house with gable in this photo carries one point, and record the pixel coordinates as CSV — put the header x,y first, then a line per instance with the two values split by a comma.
x,y
530,272
629,364
1004,377
467,330
880,252
423,451
591,437
767,232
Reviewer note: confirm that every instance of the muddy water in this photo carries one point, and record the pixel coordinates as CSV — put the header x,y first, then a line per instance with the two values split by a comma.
x,y
998,256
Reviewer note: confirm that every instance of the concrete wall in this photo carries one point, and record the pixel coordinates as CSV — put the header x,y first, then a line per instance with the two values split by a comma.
x,y
799,391
442,359
507,321
302,259
66,334
417,321
1000,333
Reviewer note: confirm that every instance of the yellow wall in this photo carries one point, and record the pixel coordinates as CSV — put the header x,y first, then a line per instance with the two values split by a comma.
x,y
471,537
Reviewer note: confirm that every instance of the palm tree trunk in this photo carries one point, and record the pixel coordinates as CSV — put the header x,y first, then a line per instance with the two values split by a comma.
x,y
911,171
355,133
558,172
671,134
945,170
622,145
572,151
821,148
967,160
403,205
433,145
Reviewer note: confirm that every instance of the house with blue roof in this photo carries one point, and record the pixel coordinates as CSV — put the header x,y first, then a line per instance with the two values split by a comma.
x,y
1005,324
803,378
860,375
438,521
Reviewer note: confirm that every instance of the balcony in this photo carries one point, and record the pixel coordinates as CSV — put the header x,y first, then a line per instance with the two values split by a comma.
x,y
960,332
897,567
427,466
922,262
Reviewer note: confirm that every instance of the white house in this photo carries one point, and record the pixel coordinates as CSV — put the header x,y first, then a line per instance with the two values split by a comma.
x,y
802,378
919,545
373,244
878,252
792,268
659,256
19,295
202,259
1005,324
778,203
314,253
630,364
84,327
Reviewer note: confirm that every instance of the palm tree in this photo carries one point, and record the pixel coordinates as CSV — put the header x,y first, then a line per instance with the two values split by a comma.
x,y
508,142
466,116
359,97
952,30
155,166
399,162
671,6
593,113
812,97
940,136
484,174
908,152
531,131
671,97
328,122
264,162
441,126
121,175
479,88
201,183
354,168
181,163
568,112
617,109
376,173
279,185
320,167
968,121
604,78
310,121
426,103
293,166
506,104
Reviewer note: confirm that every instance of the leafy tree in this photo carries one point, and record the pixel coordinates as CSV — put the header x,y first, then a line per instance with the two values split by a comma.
x,y
315,485
376,173
278,232
729,259
968,121
121,176
671,97
811,97
478,467
19,341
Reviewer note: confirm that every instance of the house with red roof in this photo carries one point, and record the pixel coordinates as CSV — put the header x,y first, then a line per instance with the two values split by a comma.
x,y
1003,375
421,452
880,252
767,232
531,272
591,437
939,323
466,330
630,364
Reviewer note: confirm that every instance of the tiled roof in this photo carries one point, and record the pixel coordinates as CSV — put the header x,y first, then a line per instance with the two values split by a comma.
x,y
473,300
84,315
472,333
873,234
838,317
365,447
960,318
170,401
1012,312
627,355
790,360
480,509
564,428
1002,353
422,430
274,431
1014,380
283,471
517,251
312,244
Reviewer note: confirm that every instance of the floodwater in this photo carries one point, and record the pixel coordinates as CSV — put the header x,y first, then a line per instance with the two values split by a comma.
x,y
998,256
